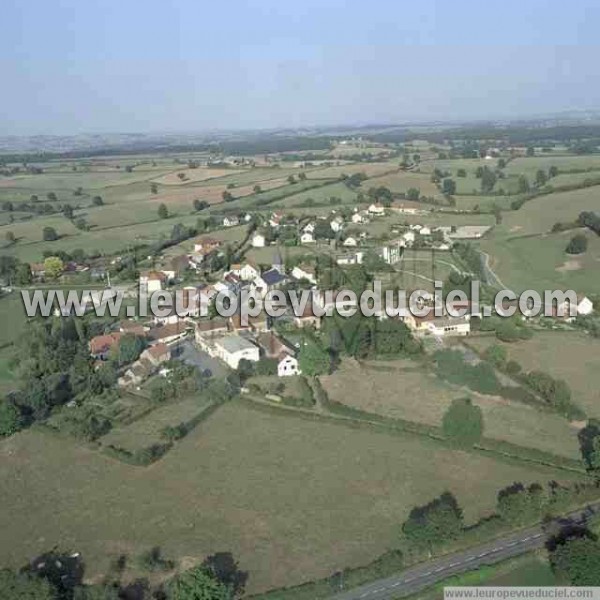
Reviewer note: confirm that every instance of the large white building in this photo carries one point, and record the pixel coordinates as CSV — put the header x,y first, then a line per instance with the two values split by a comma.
x,y
233,348
258,240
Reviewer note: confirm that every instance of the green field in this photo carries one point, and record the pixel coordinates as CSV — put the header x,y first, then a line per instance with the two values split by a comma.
x,y
408,392
12,317
541,263
292,499
319,195
529,165
525,255
572,356
147,430
402,181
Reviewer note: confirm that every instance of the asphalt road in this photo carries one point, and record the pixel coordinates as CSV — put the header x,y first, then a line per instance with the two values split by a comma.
x,y
426,574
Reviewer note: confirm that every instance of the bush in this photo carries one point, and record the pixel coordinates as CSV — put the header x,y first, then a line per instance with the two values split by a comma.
x,y
463,422
496,354
577,245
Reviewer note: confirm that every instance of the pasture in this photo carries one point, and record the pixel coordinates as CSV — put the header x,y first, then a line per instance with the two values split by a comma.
x,y
528,166
319,195
525,255
292,499
185,176
402,181
369,169
12,317
572,356
404,390
541,263
147,431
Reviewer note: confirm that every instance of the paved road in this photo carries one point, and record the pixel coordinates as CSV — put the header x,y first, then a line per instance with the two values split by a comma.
x,y
490,275
426,574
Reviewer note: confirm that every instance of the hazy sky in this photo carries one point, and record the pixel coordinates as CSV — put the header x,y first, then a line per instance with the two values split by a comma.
x,y
106,66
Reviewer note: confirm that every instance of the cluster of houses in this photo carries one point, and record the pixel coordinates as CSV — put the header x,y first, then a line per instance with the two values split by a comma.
x,y
231,341
158,338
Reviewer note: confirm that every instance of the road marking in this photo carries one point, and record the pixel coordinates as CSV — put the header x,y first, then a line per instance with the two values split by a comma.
x,y
454,564
425,574
525,539
512,543
408,580
470,558
438,569
482,554
396,584
498,548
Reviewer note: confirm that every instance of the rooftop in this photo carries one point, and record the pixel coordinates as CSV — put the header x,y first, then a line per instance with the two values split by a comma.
x,y
234,343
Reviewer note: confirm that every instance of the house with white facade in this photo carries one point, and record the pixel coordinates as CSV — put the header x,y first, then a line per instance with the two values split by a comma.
x,y
233,348
392,251
152,281
304,271
409,238
350,242
360,218
230,221
336,224
288,366
377,209
307,238
259,240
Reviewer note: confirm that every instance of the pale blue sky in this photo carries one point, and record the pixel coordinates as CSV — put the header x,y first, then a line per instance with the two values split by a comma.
x,y
75,66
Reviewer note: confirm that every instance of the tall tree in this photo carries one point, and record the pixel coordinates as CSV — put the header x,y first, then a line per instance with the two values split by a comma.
x,y
314,360
463,422
163,211
578,559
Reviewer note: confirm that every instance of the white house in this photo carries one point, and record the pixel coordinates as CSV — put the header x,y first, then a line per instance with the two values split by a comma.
x,y
287,366
248,272
392,252
304,272
377,209
584,305
439,326
152,281
349,259
336,224
230,221
307,238
258,240
359,218
408,237
350,241
309,227
425,230
233,348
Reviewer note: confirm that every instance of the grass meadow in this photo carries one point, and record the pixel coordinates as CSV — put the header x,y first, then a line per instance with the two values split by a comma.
x,y
293,499
404,390
572,356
